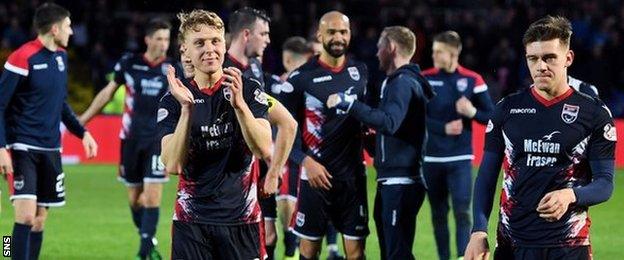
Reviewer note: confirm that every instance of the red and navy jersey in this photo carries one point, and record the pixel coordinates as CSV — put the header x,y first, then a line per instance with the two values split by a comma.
x,y
252,70
217,185
33,100
449,87
146,83
332,139
547,146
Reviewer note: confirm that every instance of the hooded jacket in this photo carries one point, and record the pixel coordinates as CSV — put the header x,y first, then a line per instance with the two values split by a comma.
x,y
399,122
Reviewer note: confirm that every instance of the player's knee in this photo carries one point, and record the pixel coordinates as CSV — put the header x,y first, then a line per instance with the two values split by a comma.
x,y
355,255
38,223
308,249
25,218
152,201
354,250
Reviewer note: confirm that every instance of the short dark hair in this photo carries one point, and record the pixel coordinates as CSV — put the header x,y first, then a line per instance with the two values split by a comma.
x,y
244,18
297,45
156,24
47,15
549,28
450,38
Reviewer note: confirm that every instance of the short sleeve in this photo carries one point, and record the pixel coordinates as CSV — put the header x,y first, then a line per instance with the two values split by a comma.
x,y
601,144
168,115
120,69
494,140
255,98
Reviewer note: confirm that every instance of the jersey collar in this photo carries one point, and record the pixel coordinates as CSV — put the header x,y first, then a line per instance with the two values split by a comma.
x,y
237,63
548,103
154,63
330,68
211,90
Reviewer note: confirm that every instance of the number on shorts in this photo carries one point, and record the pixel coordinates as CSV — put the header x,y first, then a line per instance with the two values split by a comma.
x,y
60,182
157,164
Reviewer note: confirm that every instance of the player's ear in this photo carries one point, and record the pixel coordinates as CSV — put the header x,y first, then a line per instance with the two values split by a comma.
x,y
569,58
55,28
246,33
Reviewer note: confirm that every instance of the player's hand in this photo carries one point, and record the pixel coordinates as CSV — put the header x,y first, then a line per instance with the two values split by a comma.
x,y
271,182
6,165
182,94
90,145
555,203
465,108
333,100
234,81
454,127
478,247
318,176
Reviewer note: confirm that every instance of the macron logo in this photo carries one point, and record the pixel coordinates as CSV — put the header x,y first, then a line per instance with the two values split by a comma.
x,y
322,79
41,66
523,111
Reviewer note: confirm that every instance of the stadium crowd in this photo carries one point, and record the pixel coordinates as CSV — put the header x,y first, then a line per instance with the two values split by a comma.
x,y
491,31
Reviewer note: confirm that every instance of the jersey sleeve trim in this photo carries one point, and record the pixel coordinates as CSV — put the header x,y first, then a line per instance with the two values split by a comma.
x,y
480,88
18,60
15,69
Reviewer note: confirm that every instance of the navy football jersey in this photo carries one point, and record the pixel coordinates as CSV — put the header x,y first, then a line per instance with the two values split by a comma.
x,y
146,83
450,87
332,139
252,70
217,185
583,87
33,100
547,146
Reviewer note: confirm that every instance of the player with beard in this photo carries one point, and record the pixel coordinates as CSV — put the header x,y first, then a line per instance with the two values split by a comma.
x,y
329,145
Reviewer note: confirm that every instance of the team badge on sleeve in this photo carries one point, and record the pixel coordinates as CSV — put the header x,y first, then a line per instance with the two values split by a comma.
x,y
162,114
261,97
569,113
354,73
489,127
610,133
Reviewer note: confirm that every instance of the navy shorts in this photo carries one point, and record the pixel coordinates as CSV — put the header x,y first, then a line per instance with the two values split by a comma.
x,y
203,241
289,188
140,162
345,205
38,175
537,253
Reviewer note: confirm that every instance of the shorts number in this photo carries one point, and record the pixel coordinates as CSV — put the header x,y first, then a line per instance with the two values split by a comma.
x,y
157,164
60,183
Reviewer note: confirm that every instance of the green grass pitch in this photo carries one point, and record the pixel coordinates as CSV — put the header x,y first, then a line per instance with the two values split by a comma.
x,y
96,223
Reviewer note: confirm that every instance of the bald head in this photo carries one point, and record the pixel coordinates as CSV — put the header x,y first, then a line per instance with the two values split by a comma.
x,y
334,33
333,17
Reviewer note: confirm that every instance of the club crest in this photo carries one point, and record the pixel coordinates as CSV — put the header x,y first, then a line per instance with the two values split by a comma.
x,y
569,113
462,84
354,73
